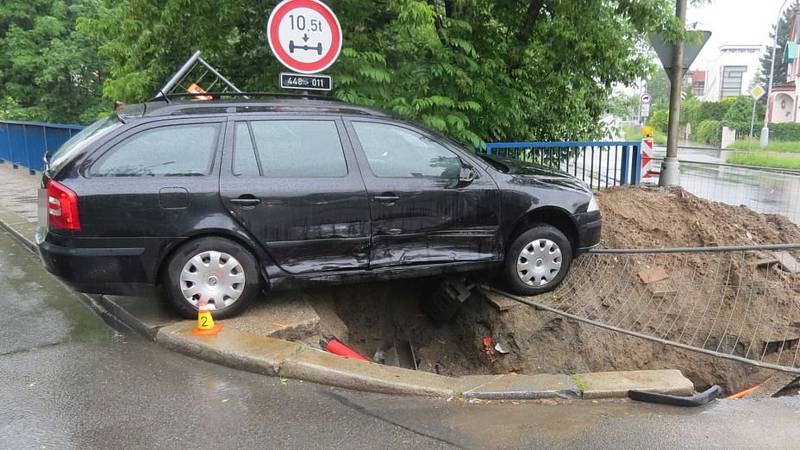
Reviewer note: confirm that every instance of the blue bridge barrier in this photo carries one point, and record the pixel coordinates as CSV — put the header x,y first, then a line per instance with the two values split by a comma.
x,y
600,164
25,143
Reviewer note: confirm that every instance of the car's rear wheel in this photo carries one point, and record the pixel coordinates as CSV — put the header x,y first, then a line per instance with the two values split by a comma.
x,y
538,260
213,270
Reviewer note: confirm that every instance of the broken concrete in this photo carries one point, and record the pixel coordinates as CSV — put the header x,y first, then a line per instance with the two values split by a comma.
x,y
788,262
514,386
617,384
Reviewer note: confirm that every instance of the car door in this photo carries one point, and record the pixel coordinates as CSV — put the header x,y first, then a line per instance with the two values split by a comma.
x,y
421,212
293,183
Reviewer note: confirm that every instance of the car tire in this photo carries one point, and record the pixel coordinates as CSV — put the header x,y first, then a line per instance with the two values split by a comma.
x,y
537,261
214,269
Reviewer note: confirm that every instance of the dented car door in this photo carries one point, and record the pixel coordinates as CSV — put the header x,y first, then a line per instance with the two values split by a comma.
x,y
422,211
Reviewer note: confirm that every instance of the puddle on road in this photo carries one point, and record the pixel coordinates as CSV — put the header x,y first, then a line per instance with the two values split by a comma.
x,y
37,308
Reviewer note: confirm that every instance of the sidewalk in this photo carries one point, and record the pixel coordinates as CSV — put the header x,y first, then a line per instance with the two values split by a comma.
x,y
18,191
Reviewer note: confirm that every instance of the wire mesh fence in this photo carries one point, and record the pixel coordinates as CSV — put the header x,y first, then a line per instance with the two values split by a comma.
x,y
739,303
768,191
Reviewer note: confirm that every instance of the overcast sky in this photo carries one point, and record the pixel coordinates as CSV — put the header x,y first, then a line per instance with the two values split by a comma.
x,y
733,22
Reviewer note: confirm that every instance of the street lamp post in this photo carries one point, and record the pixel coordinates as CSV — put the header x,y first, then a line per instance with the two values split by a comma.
x,y
764,141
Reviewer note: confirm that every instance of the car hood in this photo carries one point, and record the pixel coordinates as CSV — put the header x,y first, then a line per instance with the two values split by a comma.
x,y
532,174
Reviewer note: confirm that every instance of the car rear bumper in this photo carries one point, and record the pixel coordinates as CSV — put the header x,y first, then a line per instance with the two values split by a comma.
x,y
98,270
589,226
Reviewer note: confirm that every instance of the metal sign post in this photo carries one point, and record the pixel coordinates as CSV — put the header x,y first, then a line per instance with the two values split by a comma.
x,y
676,59
756,92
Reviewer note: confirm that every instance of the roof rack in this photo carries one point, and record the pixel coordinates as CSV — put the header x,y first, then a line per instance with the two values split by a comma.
x,y
206,96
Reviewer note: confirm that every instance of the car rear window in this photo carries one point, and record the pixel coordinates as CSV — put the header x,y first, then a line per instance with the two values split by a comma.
x,y
174,150
76,144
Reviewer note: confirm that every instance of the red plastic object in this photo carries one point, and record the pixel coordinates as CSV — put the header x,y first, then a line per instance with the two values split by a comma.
x,y
337,347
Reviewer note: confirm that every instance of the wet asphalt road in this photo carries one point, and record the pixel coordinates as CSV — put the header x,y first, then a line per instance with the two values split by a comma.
x,y
69,380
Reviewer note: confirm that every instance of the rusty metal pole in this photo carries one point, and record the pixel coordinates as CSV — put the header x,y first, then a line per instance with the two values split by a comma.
x,y
670,171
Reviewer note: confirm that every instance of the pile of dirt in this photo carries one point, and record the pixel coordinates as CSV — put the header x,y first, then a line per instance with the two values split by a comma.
x,y
542,342
650,217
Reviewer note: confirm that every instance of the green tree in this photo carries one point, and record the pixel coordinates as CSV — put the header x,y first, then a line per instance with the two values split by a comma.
x,y
782,29
473,69
48,70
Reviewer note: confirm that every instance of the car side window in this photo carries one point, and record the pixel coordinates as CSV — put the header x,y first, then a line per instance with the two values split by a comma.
x,y
244,154
173,150
299,148
397,152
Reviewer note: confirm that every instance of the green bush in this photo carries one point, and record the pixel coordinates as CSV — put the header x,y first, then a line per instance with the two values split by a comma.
x,y
738,116
784,131
709,132
690,111
659,119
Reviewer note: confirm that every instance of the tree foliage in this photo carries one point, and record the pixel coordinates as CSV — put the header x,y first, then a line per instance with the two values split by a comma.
x,y
48,69
476,70
782,29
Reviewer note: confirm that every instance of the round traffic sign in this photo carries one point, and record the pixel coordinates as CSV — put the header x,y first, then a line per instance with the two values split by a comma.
x,y
304,35
645,99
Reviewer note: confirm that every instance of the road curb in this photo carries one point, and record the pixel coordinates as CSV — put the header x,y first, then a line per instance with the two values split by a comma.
x,y
277,357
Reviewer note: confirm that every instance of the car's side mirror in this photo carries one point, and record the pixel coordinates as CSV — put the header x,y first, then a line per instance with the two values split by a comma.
x,y
468,175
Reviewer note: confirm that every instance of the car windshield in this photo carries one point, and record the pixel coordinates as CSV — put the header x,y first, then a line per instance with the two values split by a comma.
x,y
78,142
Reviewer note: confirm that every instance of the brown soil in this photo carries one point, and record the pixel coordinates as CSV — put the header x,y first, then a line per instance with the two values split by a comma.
x,y
540,342
671,217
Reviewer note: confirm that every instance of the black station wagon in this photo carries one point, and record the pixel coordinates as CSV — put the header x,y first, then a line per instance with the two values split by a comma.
x,y
216,201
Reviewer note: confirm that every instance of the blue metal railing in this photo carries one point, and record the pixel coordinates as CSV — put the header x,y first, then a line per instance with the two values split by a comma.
x,y
25,143
600,164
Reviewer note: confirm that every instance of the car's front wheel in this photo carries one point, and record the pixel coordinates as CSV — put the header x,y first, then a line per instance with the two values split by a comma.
x,y
538,260
213,270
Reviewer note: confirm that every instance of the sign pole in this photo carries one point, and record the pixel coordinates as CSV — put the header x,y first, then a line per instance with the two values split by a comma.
x,y
752,125
670,170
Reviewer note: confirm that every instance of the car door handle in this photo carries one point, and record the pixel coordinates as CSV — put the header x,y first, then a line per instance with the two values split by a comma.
x,y
245,201
386,198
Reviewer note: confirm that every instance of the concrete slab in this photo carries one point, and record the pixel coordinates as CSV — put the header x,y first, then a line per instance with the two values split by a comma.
x,y
774,384
500,302
325,368
330,323
230,347
617,384
517,387
284,315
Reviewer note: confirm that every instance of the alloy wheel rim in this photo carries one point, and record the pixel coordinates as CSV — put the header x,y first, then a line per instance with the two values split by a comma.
x,y
539,262
214,277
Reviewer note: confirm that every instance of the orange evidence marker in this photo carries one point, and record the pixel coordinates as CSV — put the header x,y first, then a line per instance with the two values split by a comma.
x,y
205,322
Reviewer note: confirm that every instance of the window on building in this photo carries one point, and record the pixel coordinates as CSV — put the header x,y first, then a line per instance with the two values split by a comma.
x,y
699,88
732,77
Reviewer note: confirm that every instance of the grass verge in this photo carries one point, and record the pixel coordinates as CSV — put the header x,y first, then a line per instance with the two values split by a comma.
x,y
774,146
765,159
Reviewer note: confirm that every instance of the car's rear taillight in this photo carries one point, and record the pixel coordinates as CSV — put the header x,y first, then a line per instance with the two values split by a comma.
x,y
62,207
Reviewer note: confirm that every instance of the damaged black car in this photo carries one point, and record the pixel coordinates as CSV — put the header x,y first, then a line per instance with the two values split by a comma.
x,y
217,201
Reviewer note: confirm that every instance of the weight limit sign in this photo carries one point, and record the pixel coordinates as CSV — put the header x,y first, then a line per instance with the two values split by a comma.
x,y
304,35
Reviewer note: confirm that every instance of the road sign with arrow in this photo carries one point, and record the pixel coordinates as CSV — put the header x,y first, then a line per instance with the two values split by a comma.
x,y
304,35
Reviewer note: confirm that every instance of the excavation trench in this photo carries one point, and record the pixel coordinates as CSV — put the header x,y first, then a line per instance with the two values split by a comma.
x,y
484,337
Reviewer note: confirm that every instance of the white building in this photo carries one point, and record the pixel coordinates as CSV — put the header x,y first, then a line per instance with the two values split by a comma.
x,y
732,72
783,105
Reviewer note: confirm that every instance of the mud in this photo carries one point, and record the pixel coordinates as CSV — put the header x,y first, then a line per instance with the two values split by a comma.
x,y
539,342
